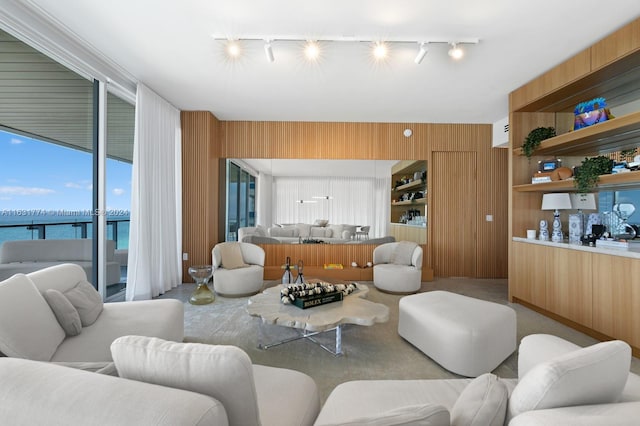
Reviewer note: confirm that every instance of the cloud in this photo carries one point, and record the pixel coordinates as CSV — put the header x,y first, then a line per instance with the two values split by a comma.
x,y
5,198
16,141
84,184
118,191
21,190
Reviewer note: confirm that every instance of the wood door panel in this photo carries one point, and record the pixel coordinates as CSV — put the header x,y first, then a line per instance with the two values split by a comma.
x,y
528,280
454,213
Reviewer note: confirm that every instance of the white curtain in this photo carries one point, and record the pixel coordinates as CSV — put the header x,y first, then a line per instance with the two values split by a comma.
x,y
155,240
353,200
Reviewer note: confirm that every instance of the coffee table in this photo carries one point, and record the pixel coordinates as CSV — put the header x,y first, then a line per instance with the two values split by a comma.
x,y
353,309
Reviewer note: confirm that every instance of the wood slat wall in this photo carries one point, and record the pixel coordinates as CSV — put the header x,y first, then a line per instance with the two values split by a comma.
x,y
200,189
384,141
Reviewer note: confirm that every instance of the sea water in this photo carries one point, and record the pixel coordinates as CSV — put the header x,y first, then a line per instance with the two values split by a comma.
x,y
63,228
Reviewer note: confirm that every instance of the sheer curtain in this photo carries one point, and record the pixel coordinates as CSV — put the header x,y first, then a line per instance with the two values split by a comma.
x,y
354,200
155,240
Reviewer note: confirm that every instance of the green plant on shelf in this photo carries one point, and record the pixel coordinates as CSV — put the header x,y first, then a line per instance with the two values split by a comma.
x,y
533,139
588,173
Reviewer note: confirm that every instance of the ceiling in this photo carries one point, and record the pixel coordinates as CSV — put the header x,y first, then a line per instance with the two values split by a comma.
x,y
167,44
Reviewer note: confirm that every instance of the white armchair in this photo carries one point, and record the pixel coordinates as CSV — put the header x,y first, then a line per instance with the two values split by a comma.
x,y
239,281
397,267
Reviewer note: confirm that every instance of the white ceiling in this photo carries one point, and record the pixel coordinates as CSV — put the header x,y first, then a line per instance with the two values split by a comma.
x,y
167,44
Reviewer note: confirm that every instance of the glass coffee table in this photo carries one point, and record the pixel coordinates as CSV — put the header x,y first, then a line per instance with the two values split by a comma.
x,y
353,309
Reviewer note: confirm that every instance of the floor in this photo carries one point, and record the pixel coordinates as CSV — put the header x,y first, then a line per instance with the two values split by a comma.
x,y
375,352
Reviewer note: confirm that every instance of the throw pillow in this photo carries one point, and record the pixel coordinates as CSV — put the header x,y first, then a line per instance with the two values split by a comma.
x,y
402,253
86,300
482,403
231,256
222,372
29,327
321,222
592,375
66,314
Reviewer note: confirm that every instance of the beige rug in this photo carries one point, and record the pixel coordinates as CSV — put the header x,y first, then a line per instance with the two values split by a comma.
x,y
375,352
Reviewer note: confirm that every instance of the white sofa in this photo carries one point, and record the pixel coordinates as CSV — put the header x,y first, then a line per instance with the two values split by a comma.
x,y
160,383
293,233
559,384
24,256
30,329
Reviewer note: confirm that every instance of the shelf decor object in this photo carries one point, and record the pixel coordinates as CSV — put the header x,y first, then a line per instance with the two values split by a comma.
x,y
582,202
533,139
556,202
586,175
590,112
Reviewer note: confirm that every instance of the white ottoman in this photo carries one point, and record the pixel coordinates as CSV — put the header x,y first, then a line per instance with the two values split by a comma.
x,y
466,336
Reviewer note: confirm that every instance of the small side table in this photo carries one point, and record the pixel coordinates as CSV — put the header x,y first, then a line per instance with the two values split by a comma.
x,y
202,295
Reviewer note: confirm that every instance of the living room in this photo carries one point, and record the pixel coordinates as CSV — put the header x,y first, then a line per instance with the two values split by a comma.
x,y
286,108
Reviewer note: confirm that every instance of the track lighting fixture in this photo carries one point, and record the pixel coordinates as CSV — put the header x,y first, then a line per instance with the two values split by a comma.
x,y
305,201
456,52
268,50
313,47
323,197
422,52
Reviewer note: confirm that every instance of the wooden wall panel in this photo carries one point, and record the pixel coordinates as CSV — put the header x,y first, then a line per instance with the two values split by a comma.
x,y
492,196
622,42
385,141
570,70
455,208
200,153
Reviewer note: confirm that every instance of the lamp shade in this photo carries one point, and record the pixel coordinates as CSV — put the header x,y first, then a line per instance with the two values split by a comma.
x,y
560,201
583,201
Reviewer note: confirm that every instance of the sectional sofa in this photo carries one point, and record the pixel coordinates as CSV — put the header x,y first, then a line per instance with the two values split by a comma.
x,y
293,233
24,256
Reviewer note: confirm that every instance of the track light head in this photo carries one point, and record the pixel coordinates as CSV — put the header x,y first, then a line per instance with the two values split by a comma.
x,y
456,52
380,50
422,52
233,49
312,50
268,51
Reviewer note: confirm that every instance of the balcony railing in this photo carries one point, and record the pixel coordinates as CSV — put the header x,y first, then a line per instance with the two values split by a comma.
x,y
117,230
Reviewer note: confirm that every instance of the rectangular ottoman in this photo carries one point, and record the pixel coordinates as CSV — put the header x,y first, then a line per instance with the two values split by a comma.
x,y
466,336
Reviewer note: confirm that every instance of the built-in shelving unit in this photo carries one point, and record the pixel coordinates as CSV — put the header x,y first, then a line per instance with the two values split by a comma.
x,y
415,173
591,289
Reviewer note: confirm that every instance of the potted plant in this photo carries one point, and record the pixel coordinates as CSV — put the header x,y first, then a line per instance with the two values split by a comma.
x,y
533,139
587,174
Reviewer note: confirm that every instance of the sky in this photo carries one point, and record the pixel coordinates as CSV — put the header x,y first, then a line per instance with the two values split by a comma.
x,y
36,175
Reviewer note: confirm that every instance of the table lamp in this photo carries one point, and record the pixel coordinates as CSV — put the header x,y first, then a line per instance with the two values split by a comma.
x,y
556,202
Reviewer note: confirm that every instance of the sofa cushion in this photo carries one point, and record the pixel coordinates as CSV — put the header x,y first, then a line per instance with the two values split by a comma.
x,y
319,232
86,300
30,329
222,372
592,375
288,231
66,314
231,256
423,415
482,403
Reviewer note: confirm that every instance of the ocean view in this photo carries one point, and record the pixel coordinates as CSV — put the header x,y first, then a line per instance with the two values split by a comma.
x,y
15,225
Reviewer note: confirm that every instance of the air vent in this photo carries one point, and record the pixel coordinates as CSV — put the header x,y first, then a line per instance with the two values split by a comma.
x,y
506,128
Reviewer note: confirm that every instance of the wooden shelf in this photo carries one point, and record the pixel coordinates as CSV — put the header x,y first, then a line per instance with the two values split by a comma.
x,y
605,183
609,136
410,202
410,185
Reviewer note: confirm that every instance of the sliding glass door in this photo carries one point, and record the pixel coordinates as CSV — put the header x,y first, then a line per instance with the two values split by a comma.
x,y
241,200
